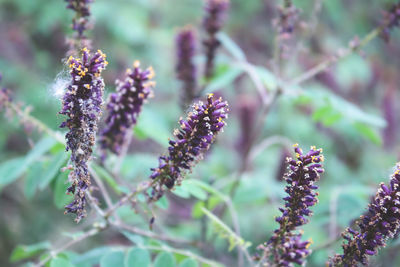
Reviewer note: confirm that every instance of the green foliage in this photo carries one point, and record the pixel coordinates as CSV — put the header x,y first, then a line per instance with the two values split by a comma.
x,y
22,252
13,169
225,232
342,112
188,263
164,259
112,258
60,262
137,257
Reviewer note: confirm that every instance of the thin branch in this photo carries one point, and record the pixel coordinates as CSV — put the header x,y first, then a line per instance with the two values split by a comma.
x,y
184,253
267,142
119,225
80,238
124,151
258,84
332,60
101,186
25,116
94,204
242,244
139,189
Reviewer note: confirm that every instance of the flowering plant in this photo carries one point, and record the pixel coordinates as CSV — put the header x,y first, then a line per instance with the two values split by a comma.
x,y
198,169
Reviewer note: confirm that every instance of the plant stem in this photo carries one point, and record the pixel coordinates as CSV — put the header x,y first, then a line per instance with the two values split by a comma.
x,y
40,126
139,189
185,253
80,238
121,226
329,62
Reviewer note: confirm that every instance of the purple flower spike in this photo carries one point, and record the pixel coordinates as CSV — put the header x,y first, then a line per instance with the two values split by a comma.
x,y
196,135
125,105
5,97
80,24
381,222
391,19
285,247
185,67
82,104
215,11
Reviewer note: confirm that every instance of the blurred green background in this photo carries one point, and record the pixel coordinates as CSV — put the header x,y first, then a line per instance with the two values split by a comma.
x,y
350,111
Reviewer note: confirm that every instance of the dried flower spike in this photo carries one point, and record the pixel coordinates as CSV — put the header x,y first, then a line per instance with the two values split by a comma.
x,y
82,104
381,222
4,96
185,67
214,18
125,105
285,246
196,135
391,19
288,18
80,24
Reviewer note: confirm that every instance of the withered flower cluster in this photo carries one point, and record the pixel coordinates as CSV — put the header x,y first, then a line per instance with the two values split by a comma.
x,y
125,105
285,247
5,97
381,222
82,104
391,20
287,19
80,23
194,137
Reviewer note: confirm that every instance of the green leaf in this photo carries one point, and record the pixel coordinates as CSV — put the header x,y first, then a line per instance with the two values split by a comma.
x,y
136,239
163,203
112,259
32,180
60,189
106,177
181,192
224,78
22,252
353,69
13,169
212,202
137,257
194,189
152,125
368,132
53,169
189,263
225,232
60,262
196,210
91,257
164,259
10,171
231,46
267,77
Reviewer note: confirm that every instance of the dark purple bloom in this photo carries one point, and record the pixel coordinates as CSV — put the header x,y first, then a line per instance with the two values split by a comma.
x,y
125,105
285,247
185,67
4,96
196,135
213,20
381,222
391,19
288,18
82,104
80,24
